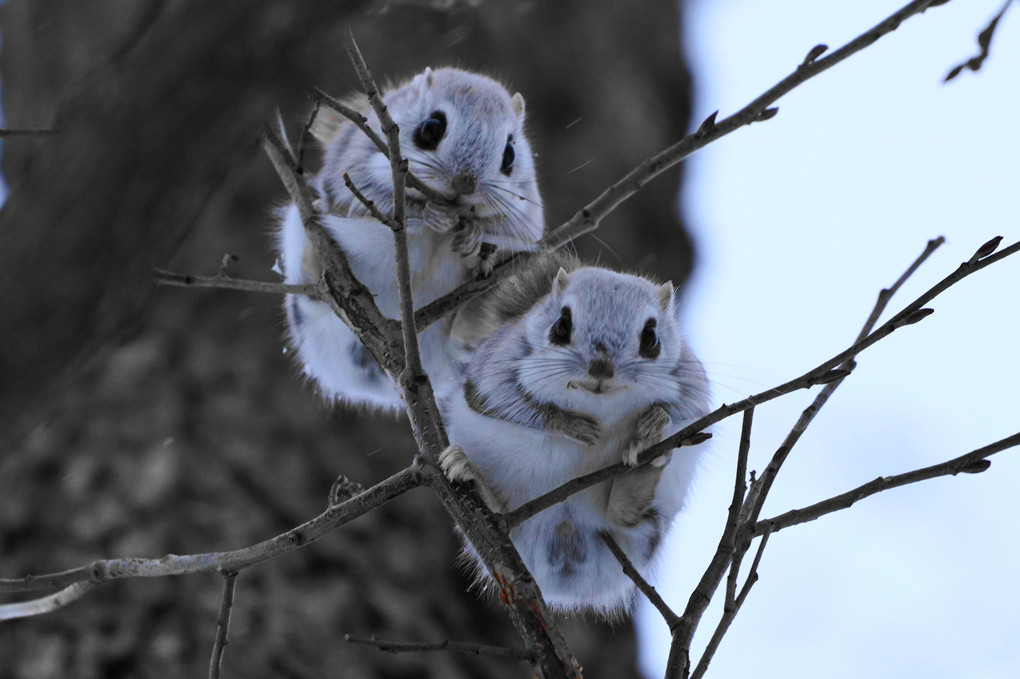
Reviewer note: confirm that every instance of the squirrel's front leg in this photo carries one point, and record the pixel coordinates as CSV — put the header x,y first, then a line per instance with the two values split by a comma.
x,y
633,491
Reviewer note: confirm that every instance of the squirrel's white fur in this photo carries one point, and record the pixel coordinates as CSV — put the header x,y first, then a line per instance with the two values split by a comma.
x,y
533,411
481,127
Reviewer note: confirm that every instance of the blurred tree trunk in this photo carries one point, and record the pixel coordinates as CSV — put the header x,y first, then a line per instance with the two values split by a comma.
x,y
157,107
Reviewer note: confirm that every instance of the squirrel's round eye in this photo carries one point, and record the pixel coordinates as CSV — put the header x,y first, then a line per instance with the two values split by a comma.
x,y
559,334
509,155
650,346
431,131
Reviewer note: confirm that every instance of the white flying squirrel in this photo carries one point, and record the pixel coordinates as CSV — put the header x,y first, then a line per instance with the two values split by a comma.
x,y
463,135
567,369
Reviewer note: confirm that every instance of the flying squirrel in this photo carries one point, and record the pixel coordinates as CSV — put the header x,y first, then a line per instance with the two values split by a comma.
x,y
463,135
565,369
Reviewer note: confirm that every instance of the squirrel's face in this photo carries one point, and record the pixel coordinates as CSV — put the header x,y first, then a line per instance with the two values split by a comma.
x,y
463,134
602,339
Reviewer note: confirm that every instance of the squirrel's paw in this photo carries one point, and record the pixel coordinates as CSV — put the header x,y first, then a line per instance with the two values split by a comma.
x,y
459,468
439,219
486,262
468,240
583,429
648,432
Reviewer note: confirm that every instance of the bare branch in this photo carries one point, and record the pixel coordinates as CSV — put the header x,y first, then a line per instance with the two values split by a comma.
x,y
967,464
587,219
398,220
562,492
756,499
731,608
222,624
46,604
172,564
642,584
984,41
163,277
458,646
369,204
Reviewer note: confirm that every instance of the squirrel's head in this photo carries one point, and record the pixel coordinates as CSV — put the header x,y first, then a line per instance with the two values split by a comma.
x,y
463,135
600,335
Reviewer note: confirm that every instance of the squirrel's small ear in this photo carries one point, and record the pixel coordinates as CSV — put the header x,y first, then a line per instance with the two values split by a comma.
x,y
665,295
428,76
325,125
517,102
562,278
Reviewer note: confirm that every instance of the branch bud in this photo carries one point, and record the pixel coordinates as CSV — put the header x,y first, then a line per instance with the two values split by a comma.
x,y
915,316
985,250
831,376
976,467
814,53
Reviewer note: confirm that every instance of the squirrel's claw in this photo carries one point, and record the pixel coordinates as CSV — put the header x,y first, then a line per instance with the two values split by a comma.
x,y
459,468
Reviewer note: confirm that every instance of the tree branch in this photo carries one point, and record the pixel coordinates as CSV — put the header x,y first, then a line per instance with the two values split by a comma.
x,y
398,220
984,41
587,219
731,607
172,564
667,613
458,646
756,499
222,624
46,604
171,278
970,463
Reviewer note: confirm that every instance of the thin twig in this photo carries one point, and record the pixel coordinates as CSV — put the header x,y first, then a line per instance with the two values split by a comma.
x,y
163,277
679,656
171,564
446,645
642,584
756,499
730,609
984,41
368,203
398,220
222,624
46,604
968,463
587,219
824,373
576,485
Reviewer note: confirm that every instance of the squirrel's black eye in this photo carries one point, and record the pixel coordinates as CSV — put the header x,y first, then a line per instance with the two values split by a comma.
x,y
650,346
431,131
509,155
559,334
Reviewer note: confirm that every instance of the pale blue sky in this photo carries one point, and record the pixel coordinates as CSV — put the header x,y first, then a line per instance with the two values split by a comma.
x,y
799,222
